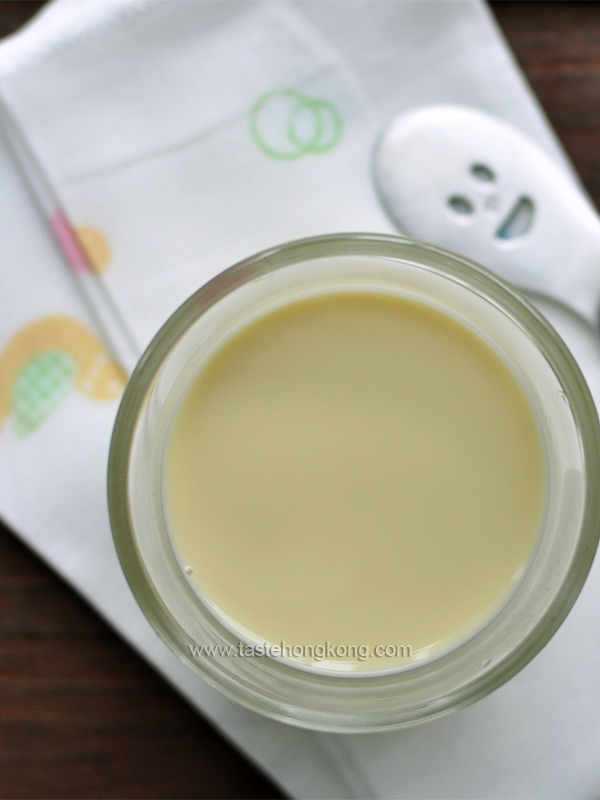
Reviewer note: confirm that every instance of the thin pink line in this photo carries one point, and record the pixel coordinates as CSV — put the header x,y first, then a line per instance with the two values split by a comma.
x,y
69,243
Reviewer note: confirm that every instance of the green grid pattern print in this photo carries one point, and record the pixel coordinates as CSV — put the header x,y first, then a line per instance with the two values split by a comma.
x,y
40,388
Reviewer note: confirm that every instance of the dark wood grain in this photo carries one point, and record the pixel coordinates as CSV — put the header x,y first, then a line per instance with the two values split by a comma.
x,y
80,714
557,45
15,13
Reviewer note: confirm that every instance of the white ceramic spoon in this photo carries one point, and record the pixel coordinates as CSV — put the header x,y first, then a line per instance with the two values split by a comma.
x,y
470,182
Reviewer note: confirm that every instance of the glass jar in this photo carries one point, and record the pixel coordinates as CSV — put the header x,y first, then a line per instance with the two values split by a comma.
x,y
496,312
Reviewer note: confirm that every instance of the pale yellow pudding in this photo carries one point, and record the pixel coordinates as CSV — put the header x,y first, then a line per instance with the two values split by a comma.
x,y
358,469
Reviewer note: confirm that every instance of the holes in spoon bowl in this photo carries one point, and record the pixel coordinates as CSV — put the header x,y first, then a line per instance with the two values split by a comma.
x,y
483,173
518,221
461,205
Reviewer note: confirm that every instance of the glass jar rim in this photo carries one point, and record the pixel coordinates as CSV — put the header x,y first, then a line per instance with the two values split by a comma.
x,y
462,270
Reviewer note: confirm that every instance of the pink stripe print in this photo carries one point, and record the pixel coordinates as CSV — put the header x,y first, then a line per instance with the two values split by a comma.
x,y
69,243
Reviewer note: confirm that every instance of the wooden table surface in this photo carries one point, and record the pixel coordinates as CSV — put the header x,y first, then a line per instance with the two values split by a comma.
x,y
81,716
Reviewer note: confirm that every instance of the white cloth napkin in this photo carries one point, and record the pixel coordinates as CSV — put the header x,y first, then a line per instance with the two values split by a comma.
x,y
163,126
